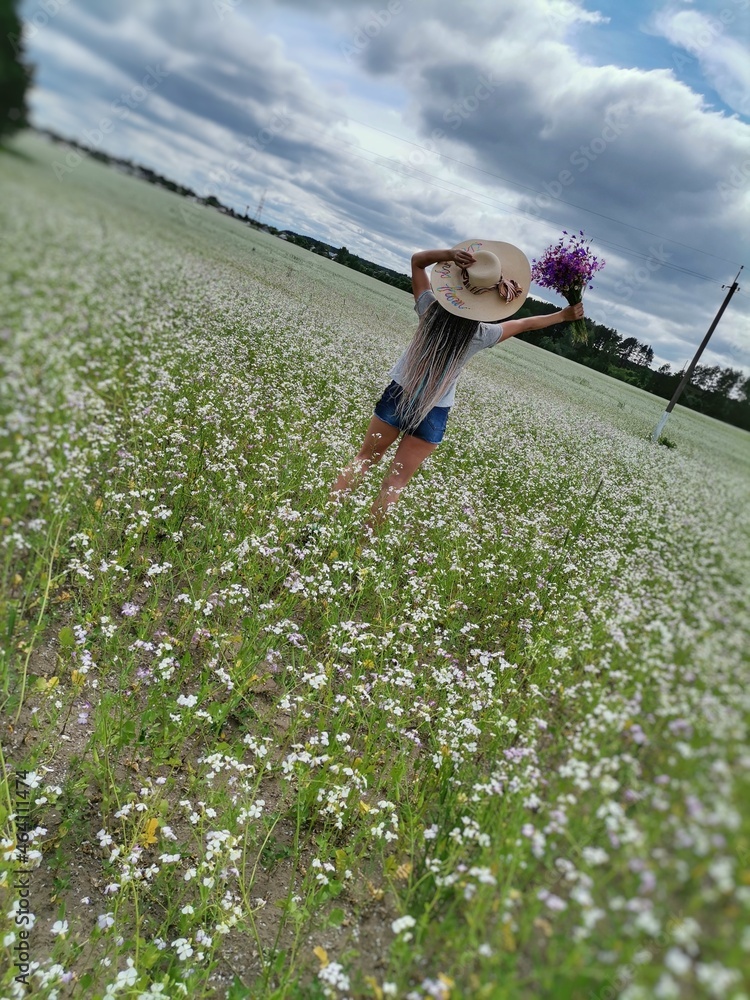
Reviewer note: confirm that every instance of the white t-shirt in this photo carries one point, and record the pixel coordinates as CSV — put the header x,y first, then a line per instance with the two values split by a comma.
x,y
487,335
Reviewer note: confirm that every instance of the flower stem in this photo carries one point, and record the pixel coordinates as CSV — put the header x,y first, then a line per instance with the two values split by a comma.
x,y
578,326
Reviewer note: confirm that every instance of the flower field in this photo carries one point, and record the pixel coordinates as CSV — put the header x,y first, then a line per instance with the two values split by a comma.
x,y
498,751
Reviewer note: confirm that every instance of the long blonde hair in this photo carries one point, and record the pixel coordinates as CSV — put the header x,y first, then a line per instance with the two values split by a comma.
x,y
432,361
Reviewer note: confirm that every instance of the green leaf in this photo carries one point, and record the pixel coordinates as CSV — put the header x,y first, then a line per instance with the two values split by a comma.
x,y
336,917
237,991
12,614
126,735
149,956
67,637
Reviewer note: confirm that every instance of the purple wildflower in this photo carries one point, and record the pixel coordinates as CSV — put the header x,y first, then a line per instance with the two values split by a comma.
x,y
567,267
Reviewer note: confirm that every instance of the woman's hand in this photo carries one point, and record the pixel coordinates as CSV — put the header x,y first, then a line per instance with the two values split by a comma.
x,y
463,258
420,281
570,313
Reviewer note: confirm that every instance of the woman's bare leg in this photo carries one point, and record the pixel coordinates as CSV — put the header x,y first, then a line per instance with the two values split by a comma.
x,y
378,439
410,454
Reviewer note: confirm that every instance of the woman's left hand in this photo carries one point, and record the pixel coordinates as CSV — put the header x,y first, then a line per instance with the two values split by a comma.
x,y
463,258
571,313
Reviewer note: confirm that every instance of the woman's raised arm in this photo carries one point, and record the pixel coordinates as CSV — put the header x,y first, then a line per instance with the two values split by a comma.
x,y
420,281
567,315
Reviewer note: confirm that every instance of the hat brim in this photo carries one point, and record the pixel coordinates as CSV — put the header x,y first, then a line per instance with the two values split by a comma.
x,y
448,288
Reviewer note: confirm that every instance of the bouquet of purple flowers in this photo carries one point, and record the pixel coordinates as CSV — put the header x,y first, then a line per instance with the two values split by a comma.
x,y
567,268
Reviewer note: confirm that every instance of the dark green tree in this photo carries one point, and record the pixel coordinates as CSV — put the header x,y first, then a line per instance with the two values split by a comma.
x,y
606,340
15,73
730,383
627,349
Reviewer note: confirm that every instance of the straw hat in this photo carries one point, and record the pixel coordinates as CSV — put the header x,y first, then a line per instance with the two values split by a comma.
x,y
493,288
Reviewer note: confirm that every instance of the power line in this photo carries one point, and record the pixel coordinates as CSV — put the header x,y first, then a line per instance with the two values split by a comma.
x,y
525,187
487,202
649,256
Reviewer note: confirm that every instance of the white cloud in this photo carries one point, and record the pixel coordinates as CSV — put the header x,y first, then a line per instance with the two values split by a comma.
x,y
723,59
508,90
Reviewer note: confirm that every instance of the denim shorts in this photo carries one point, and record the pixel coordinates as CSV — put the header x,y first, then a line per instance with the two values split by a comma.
x,y
432,427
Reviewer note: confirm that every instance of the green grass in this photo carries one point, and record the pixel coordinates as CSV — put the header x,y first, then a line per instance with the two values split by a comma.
x,y
518,717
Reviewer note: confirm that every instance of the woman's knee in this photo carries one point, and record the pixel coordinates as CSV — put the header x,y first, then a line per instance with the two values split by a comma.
x,y
369,455
361,463
395,482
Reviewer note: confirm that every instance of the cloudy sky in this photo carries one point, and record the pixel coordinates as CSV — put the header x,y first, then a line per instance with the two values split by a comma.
x,y
394,125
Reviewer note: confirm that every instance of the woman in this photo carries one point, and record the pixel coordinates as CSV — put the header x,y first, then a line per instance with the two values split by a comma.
x,y
474,286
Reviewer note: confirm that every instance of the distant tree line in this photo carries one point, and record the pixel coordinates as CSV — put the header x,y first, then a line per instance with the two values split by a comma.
x,y
723,393
15,73
342,256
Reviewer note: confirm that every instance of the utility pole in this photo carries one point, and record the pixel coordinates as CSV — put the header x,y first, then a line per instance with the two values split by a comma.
x,y
259,209
691,367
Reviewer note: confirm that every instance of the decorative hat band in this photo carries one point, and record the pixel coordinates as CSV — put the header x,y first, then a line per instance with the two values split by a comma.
x,y
507,289
497,267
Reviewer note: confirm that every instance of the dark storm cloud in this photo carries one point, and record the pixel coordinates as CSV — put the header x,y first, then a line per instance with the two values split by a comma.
x,y
547,140
631,156
99,38
614,152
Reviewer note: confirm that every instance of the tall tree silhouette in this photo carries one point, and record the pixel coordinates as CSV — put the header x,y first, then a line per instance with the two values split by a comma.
x,y
15,72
